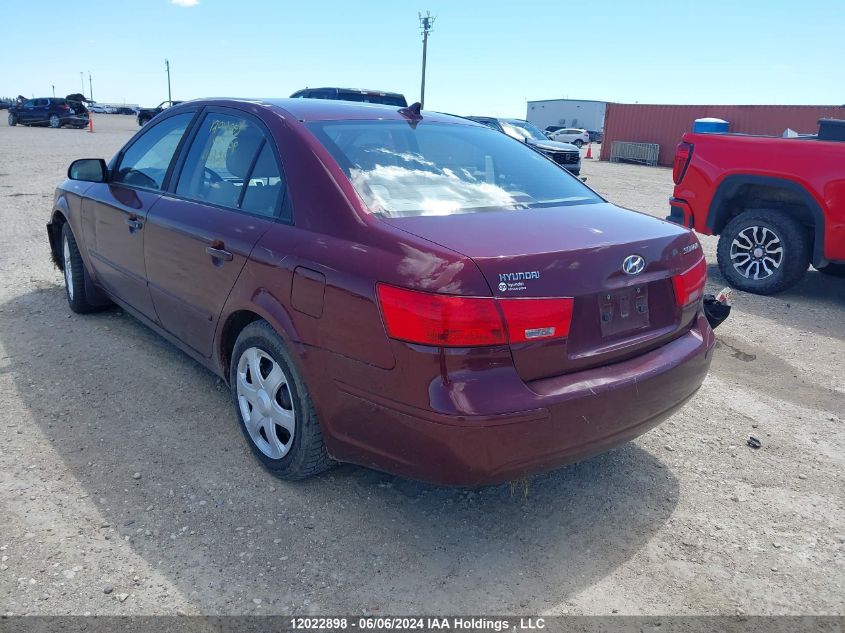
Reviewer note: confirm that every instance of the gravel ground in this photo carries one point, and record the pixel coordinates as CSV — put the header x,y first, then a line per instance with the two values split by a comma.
x,y
126,487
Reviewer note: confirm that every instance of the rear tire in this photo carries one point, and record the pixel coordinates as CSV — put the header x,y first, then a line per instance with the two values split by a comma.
x,y
767,244
274,406
75,274
578,143
55,121
13,120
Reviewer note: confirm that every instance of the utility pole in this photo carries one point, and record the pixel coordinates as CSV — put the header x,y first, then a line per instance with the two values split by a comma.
x,y
426,24
167,68
82,81
90,87
54,90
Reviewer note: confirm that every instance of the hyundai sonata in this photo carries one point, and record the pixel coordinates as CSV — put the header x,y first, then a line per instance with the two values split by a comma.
x,y
405,290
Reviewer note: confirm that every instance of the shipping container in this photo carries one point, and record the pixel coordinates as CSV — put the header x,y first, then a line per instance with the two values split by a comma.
x,y
666,124
577,113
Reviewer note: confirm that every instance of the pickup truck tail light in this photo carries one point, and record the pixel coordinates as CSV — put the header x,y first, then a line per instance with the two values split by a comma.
x,y
689,285
683,154
454,321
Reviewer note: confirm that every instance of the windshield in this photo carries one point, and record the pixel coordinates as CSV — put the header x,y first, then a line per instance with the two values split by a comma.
x,y
443,168
523,129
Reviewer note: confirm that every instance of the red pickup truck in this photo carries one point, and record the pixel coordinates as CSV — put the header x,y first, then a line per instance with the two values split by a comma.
x,y
777,204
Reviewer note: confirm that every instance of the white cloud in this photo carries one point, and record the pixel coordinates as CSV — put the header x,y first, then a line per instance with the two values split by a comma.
x,y
185,3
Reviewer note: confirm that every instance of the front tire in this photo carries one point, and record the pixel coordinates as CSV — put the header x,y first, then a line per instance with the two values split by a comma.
x,y
763,251
75,274
274,406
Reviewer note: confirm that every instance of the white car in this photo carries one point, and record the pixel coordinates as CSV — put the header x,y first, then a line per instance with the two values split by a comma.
x,y
97,108
573,135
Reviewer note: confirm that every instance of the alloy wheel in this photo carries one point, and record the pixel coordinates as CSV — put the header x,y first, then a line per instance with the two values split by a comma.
x,y
68,268
54,121
756,252
266,402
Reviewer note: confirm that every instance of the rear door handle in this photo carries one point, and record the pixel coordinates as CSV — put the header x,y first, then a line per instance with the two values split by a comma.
x,y
219,253
134,224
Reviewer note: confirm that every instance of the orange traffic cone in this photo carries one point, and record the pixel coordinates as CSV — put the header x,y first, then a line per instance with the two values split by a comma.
x,y
90,121
589,151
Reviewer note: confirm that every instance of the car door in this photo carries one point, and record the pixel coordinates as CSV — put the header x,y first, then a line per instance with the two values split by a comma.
x,y
114,212
28,111
228,193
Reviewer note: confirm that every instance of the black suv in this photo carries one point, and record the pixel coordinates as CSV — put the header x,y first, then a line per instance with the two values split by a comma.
x,y
49,111
146,114
353,94
564,154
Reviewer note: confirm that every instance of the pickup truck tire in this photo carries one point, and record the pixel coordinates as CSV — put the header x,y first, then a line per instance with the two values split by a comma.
x,y
763,251
836,270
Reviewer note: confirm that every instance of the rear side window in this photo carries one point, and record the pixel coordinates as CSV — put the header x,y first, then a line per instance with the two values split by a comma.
x,y
147,160
445,168
231,164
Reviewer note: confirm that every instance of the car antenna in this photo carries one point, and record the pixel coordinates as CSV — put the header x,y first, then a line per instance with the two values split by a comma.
x,y
412,112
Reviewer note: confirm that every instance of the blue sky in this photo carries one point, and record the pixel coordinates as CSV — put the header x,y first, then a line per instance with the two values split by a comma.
x,y
485,57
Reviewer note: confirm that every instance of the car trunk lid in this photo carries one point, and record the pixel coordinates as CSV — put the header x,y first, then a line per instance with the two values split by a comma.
x,y
577,251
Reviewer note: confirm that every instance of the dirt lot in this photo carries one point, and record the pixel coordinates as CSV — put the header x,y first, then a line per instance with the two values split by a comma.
x,y
126,487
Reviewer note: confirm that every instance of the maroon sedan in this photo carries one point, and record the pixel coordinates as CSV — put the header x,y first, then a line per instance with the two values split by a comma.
x,y
412,292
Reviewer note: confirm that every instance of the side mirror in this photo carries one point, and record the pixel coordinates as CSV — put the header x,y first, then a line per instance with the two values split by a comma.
x,y
89,170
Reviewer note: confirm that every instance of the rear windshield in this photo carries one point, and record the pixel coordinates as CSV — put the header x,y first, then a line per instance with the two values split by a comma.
x,y
402,170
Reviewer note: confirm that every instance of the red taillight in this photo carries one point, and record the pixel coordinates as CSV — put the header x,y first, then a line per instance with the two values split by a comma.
x,y
536,319
683,153
454,321
689,285
64,106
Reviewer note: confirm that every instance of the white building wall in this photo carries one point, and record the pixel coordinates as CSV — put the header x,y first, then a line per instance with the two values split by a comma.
x,y
567,113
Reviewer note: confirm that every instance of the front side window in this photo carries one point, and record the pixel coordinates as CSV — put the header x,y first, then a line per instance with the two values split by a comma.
x,y
147,160
231,164
445,169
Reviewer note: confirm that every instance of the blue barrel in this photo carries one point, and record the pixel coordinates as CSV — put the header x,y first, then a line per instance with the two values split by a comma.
x,y
709,125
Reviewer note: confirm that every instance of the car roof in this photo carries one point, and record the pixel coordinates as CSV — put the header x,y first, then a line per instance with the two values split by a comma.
x,y
308,110
356,91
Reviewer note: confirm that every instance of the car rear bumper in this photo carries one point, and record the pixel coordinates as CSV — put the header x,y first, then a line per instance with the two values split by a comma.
x,y
561,420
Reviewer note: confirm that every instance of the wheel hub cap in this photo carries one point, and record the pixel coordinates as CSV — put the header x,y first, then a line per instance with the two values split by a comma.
x,y
756,252
265,402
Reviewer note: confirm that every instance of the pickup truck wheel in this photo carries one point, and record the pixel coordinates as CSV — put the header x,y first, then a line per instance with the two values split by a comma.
x,y
274,407
836,270
13,121
763,251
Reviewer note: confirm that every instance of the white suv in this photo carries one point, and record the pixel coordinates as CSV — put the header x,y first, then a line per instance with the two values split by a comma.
x,y
576,136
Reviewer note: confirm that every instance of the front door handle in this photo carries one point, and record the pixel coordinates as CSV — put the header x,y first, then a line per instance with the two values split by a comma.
x,y
219,253
134,224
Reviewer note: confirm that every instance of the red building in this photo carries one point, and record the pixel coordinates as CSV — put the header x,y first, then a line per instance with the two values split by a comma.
x,y
665,124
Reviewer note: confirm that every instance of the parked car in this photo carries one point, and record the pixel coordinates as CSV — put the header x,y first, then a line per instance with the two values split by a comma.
x,y
126,110
566,155
49,111
145,115
353,94
404,290
98,108
770,200
576,136
5,105
595,136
